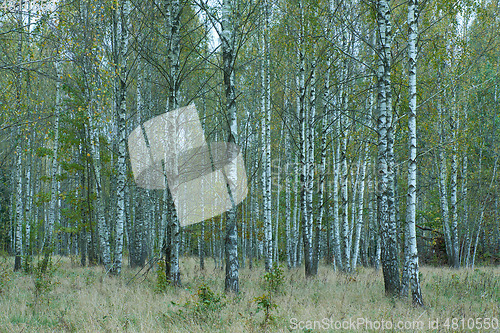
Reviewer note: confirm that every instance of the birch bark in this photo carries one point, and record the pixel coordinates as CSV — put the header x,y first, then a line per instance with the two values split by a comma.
x,y
411,265
385,159
227,36
121,46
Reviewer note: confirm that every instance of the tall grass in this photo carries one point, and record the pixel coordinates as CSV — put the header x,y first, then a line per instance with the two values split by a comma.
x,y
86,300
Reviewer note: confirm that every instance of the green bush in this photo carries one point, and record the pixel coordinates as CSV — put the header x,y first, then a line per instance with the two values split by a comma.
x,y
43,275
161,278
208,301
273,280
4,276
265,303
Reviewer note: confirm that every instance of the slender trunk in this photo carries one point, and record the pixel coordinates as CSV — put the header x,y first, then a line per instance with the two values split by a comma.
x,y
411,264
228,56
174,11
19,202
266,141
360,208
453,188
335,207
385,160
310,128
483,207
346,253
321,199
295,229
443,197
466,210
19,212
480,224
48,241
121,109
304,154
102,226
277,213
288,212
29,213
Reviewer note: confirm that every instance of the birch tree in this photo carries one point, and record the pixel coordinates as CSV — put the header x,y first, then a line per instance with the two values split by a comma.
x,y
385,160
344,133
411,253
19,174
305,155
228,40
121,49
266,139
19,211
174,12
54,192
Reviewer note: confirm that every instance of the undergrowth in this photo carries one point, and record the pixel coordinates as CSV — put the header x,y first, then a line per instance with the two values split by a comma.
x,y
65,298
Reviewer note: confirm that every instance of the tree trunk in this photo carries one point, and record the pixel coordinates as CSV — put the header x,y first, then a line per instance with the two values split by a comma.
x,y
48,246
228,56
344,133
102,226
288,212
453,187
321,199
360,208
385,160
19,212
266,141
443,197
411,255
121,108
171,222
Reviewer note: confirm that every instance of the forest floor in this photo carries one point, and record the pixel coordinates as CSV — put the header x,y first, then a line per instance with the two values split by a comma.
x,y
75,299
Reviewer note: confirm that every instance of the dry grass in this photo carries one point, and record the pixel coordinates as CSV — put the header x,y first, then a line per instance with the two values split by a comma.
x,y
85,300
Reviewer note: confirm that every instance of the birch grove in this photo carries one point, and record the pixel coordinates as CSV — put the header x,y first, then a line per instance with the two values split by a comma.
x,y
368,133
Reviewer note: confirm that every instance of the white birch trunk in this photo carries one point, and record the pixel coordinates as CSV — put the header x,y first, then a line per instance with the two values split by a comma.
x,y
304,153
121,109
385,160
228,57
453,188
310,132
29,213
360,208
48,246
321,196
19,203
102,226
465,209
411,264
443,197
171,221
19,212
337,252
483,207
288,212
294,229
277,213
266,141
344,133
311,166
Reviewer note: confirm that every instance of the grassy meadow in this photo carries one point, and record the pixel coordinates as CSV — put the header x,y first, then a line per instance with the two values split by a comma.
x,y
74,299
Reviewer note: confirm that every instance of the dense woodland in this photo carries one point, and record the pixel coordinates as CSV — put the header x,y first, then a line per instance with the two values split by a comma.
x,y
370,130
